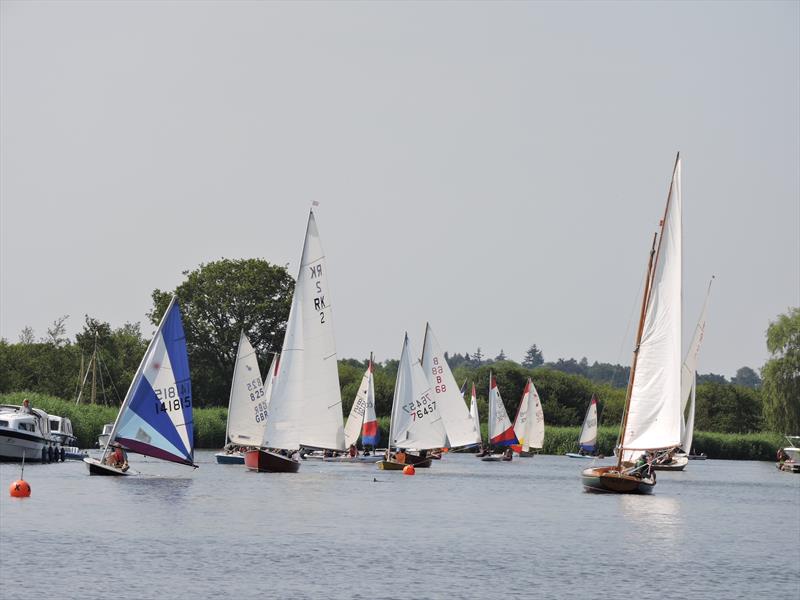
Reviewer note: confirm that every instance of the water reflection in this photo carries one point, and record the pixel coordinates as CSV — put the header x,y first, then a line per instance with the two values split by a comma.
x,y
659,517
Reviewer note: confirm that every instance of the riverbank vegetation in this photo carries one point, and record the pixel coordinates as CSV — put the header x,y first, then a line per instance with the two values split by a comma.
x,y
222,298
209,430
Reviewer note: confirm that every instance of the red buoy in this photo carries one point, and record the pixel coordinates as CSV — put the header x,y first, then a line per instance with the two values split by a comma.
x,y
409,470
20,489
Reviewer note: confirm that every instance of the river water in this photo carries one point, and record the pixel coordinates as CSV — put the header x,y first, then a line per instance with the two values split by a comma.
x,y
462,529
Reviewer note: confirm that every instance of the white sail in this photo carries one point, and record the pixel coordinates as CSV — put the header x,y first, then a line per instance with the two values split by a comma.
x,y
416,420
272,375
688,434
689,374
473,411
536,428
356,419
588,437
501,432
654,416
458,423
247,407
306,404
529,424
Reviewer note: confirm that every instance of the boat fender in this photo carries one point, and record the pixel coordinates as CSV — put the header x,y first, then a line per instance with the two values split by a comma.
x,y
409,470
20,489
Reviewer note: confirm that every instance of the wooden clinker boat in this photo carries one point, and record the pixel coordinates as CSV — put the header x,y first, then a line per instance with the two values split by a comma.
x,y
612,479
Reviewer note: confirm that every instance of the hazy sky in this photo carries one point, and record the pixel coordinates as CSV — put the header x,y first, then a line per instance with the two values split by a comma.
x,y
497,169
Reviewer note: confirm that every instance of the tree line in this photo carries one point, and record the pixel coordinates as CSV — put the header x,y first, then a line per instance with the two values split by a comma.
x,y
222,298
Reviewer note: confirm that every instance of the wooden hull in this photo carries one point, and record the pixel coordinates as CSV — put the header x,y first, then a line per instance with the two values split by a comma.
x,y
265,461
609,480
98,468
677,464
526,453
235,458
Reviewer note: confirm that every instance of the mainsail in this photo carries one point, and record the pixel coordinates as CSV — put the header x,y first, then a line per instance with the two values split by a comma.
x,y
247,406
529,424
689,374
587,441
155,418
416,421
458,423
306,404
654,416
352,428
501,431
473,411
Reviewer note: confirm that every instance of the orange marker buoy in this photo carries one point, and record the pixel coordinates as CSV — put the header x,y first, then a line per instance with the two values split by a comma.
x,y
409,470
20,489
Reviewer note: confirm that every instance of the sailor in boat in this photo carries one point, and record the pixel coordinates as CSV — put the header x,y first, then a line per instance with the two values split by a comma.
x,y
508,454
117,458
26,407
353,451
400,456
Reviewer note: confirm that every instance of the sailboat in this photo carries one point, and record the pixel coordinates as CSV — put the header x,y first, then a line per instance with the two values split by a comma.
x,y
473,411
362,422
673,459
529,428
458,423
305,408
689,377
587,440
247,406
416,422
651,418
155,418
501,431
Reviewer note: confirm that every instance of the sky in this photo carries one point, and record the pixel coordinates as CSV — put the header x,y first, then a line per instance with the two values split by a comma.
x,y
497,169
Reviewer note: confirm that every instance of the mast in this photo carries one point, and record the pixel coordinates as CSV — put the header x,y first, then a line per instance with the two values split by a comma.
x,y
94,371
645,298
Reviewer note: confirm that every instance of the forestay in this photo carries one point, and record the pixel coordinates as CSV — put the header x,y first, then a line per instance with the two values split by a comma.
x,y
416,421
654,415
247,407
501,432
155,418
306,404
458,423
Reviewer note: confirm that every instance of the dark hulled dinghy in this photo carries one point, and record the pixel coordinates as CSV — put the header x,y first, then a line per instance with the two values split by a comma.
x,y
155,418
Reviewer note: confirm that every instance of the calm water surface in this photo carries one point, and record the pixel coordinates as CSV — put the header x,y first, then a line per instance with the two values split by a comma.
x,y
462,529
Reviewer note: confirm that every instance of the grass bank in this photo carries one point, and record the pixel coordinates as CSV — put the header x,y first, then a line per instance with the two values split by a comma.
x,y
209,430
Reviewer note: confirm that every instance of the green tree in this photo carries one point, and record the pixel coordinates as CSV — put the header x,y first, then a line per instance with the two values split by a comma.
x,y
533,358
747,377
218,300
781,374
